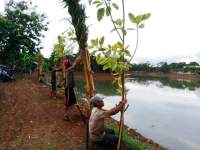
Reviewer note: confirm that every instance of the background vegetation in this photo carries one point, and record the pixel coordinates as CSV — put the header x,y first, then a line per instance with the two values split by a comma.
x,y
21,32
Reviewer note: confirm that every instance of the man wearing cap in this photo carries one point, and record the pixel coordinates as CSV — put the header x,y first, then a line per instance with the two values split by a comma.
x,y
97,132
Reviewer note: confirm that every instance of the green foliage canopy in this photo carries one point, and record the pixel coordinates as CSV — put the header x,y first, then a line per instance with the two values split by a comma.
x,y
20,31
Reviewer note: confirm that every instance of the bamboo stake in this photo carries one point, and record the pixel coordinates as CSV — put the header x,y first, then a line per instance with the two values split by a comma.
x,y
88,74
123,86
121,125
91,83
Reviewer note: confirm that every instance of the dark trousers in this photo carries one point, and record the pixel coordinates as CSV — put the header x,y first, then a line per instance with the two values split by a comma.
x,y
109,139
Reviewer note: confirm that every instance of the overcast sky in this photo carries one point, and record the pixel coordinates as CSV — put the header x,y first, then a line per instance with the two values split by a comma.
x,y
172,33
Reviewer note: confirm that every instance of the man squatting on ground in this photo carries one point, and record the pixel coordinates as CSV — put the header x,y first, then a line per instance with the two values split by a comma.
x,y
97,132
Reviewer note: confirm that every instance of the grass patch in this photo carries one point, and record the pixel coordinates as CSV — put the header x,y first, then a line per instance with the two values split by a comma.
x,y
131,142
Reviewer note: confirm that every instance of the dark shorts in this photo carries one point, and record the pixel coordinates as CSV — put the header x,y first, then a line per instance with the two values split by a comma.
x,y
70,96
109,139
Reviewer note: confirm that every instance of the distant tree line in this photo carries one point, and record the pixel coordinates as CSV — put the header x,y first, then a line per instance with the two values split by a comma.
x,y
192,67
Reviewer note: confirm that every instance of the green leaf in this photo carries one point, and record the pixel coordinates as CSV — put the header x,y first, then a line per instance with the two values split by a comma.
x,y
96,2
141,26
93,42
105,67
101,41
132,18
113,30
98,57
124,31
139,19
145,16
114,81
103,61
96,41
118,22
115,5
115,46
142,17
108,11
119,91
90,46
102,49
100,13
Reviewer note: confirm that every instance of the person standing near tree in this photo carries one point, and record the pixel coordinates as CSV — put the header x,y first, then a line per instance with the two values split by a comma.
x,y
70,97
53,81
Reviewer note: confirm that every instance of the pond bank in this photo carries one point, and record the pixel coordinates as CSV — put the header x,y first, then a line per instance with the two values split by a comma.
x,y
171,75
176,76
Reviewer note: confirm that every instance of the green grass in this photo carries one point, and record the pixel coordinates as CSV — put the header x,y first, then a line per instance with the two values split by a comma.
x,y
131,142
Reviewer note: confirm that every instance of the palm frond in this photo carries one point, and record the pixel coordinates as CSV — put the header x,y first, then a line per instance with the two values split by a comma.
x,y
78,17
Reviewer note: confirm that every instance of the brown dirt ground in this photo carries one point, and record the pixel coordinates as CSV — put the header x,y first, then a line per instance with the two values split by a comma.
x,y
30,119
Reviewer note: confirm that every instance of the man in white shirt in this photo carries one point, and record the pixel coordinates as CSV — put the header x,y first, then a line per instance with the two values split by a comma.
x,y
97,132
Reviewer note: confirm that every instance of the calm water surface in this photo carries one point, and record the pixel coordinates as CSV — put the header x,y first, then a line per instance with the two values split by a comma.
x,y
166,111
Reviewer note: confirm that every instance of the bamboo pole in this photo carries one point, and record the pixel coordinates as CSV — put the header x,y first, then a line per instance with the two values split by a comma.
x,y
121,126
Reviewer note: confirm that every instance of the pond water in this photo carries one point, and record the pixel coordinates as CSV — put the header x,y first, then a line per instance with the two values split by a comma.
x,y
167,111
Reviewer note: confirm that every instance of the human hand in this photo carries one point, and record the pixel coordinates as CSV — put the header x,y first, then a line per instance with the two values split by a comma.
x,y
70,69
123,102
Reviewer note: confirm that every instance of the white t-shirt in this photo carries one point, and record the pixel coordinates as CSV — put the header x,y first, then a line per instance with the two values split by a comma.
x,y
96,123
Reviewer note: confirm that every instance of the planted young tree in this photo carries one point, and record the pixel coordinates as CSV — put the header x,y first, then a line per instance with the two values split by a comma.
x,y
116,56
64,46
40,63
78,17
58,50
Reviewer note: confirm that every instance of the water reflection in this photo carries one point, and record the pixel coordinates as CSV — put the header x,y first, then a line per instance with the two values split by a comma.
x,y
179,84
167,111
104,87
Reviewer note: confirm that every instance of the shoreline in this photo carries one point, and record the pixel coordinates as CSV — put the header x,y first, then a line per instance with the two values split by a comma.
x,y
136,135
175,76
172,75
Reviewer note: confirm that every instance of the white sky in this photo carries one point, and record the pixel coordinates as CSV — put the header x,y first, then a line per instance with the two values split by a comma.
x,y
171,34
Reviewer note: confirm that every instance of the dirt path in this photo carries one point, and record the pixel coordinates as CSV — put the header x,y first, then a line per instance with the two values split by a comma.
x,y
30,119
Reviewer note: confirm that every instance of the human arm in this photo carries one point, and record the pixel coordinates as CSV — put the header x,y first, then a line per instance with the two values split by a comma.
x,y
59,69
64,71
118,108
115,109
75,63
